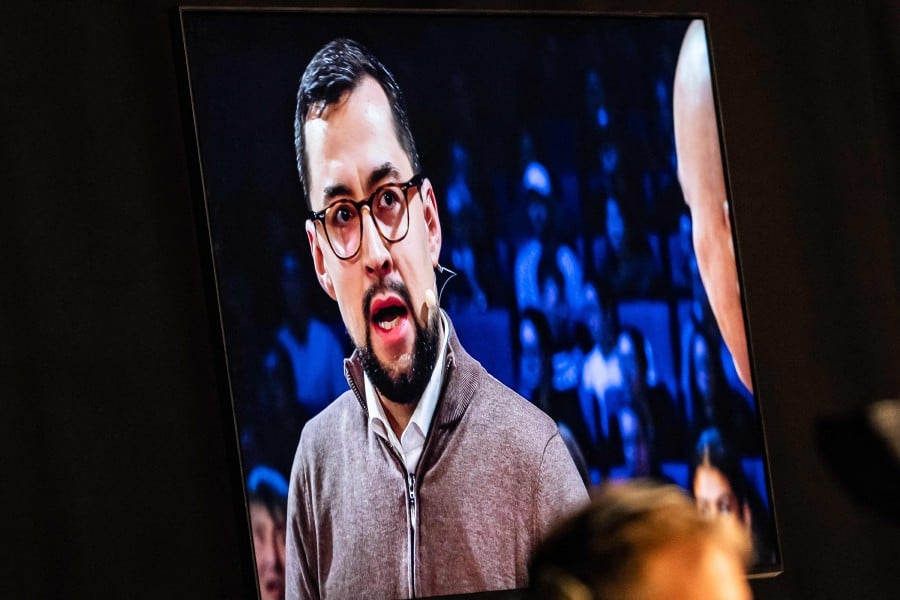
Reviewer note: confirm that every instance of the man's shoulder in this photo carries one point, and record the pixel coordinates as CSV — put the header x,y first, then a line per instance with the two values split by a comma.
x,y
334,421
505,410
523,442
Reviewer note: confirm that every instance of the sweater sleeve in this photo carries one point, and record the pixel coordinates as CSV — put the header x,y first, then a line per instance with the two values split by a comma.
x,y
561,490
300,553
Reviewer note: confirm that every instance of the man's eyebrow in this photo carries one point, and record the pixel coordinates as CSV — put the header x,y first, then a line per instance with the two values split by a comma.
x,y
381,172
340,190
336,190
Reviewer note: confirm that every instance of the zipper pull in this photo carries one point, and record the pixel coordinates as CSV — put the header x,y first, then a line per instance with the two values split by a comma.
x,y
412,489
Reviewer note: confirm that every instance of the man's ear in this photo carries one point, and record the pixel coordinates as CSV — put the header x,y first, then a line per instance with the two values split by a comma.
x,y
432,222
319,259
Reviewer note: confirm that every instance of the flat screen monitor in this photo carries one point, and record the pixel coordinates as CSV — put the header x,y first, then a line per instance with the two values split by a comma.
x,y
574,163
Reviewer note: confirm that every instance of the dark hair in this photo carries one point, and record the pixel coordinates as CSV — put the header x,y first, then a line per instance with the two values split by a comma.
x,y
335,69
716,452
267,487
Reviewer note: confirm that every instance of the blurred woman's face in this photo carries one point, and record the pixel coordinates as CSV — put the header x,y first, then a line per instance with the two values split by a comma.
x,y
714,494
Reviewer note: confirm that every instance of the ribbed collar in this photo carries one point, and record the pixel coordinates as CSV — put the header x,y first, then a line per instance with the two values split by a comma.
x,y
460,381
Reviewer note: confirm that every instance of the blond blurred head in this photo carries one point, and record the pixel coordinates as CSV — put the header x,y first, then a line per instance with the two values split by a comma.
x,y
639,541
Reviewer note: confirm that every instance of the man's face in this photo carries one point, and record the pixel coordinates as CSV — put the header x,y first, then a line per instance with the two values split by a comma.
x,y
702,181
352,149
268,545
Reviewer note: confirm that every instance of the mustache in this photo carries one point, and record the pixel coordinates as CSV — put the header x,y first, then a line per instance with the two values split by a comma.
x,y
397,287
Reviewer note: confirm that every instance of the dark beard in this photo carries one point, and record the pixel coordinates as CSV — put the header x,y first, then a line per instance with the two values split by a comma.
x,y
404,388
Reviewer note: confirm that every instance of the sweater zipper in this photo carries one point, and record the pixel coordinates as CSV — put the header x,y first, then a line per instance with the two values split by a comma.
x,y
412,510
411,505
412,515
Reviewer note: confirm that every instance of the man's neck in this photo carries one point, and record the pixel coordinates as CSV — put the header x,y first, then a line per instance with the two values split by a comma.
x,y
398,414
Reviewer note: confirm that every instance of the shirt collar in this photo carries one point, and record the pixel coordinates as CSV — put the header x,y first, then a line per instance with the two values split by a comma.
x,y
424,412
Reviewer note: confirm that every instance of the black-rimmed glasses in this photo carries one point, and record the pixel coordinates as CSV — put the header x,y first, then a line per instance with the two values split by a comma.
x,y
389,207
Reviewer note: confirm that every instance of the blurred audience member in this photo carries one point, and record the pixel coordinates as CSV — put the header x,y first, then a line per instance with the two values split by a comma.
x,y
270,433
601,371
699,318
535,358
315,353
543,242
716,404
605,178
638,445
637,541
267,493
681,254
666,427
622,258
466,223
552,300
721,488
703,185
536,382
601,376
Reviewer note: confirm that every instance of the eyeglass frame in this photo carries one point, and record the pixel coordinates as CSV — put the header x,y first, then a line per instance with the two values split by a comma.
x,y
319,216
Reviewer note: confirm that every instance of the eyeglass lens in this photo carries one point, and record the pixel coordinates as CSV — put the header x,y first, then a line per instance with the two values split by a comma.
x,y
343,222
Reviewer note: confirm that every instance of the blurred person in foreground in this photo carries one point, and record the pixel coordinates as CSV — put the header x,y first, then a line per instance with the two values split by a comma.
x,y
267,497
702,179
640,541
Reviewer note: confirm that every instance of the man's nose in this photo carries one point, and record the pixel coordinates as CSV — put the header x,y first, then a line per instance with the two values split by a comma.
x,y
375,253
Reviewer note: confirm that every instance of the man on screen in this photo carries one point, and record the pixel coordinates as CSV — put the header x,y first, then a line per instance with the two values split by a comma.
x,y
428,476
703,184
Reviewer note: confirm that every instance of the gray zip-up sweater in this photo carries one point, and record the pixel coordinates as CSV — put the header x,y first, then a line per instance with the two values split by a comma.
x,y
494,476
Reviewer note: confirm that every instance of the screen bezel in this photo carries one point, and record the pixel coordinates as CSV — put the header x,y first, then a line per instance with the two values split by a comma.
x,y
208,243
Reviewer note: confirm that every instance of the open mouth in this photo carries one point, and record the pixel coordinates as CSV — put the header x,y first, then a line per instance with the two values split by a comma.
x,y
388,313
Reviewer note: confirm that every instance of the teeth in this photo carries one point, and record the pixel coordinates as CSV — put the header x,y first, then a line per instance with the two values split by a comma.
x,y
388,325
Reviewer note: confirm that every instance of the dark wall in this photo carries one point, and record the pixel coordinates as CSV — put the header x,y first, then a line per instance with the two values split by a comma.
x,y
114,461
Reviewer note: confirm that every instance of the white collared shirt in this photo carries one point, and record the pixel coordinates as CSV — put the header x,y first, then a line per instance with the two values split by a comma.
x,y
411,441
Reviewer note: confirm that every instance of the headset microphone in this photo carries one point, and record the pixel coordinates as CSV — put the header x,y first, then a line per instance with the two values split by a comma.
x,y
431,301
450,274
